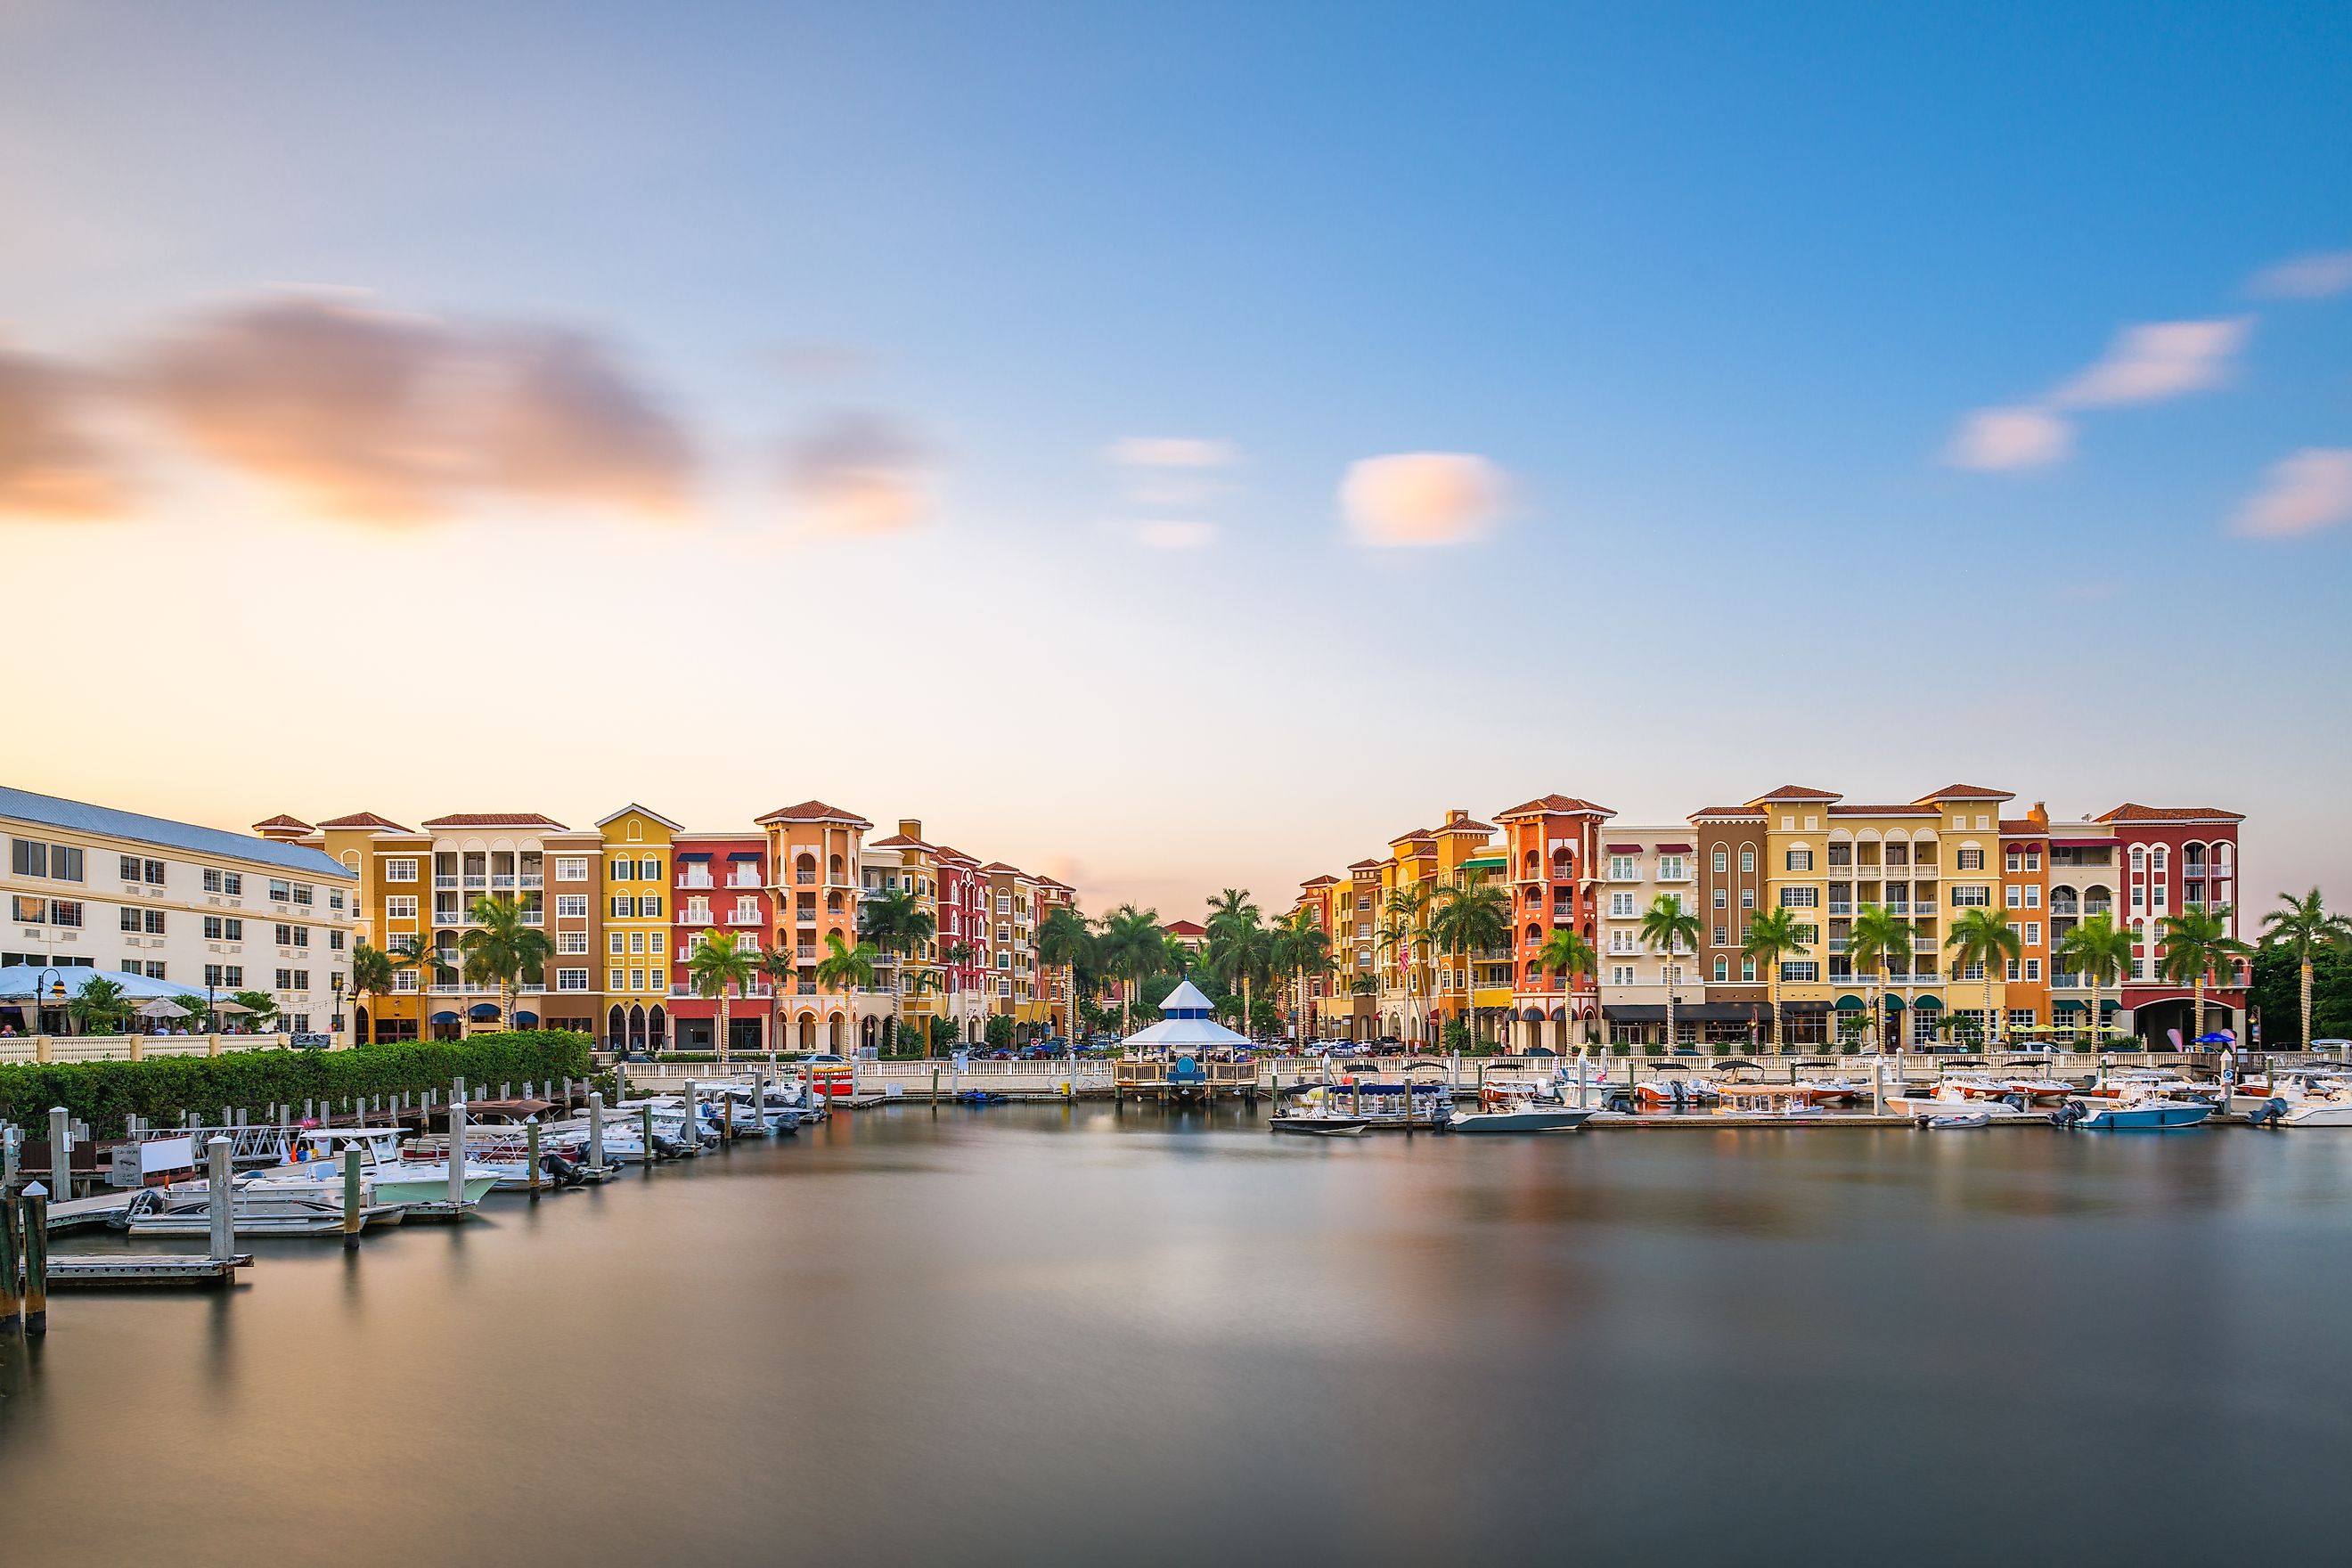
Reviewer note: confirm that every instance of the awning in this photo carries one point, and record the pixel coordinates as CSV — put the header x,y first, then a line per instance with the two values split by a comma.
x,y
2068,1005
482,1011
695,854
1894,1003
526,1020
445,1018
1624,849
1852,1005
743,855
1924,1002
1673,848
1531,1015
1695,1012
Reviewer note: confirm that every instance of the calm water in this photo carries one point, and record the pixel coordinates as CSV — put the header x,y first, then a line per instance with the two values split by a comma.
x,y
1047,1335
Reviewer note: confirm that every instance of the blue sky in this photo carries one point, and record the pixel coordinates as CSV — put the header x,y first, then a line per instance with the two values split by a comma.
x,y
1707,293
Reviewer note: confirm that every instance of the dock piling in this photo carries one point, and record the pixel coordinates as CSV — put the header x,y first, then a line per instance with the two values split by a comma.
x,y
645,1129
36,1260
595,1131
9,1145
60,1155
220,1200
530,1138
457,1158
12,1288
352,1215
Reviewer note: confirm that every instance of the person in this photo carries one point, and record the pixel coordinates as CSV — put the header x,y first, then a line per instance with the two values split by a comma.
x,y
7,1031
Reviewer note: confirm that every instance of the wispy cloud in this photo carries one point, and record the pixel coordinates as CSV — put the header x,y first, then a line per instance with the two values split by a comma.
x,y
1171,535
2305,492
1172,452
388,418
1422,499
1172,472
2145,364
2157,360
50,467
2000,438
2318,275
859,472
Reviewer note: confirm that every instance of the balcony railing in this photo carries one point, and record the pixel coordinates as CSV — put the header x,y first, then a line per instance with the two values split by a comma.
x,y
533,880
695,880
502,881
804,878
744,880
444,880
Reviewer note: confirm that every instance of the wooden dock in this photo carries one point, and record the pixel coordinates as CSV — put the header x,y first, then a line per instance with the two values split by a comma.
x,y
144,1268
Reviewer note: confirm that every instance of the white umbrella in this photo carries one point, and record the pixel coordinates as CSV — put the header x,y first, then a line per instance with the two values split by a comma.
x,y
226,1007
163,1007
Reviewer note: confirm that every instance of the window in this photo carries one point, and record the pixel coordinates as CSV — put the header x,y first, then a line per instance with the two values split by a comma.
x,y
1722,936
2033,896
649,908
64,912
232,883
1722,898
302,892
213,975
27,859
1621,906
400,906
1722,862
1669,868
2011,975
623,907
572,869
130,919
654,942
636,941
572,906
285,980
1747,898
618,979
1622,869
1800,970
334,941
1972,861
649,872
280,889
1748,859
1620,974
2034,969
2138,895
571,980
135,869
615,942
2015,862
32,911
624,870
1799,860
2013,896
212,879
1748,969
1722,970
400,871
2033,933
1801,897
572,942
636,980
1971,896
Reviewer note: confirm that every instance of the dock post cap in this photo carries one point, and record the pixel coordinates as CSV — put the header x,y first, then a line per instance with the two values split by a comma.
x,y
35,1190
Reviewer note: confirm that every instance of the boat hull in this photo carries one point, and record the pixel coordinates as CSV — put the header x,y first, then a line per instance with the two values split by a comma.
x,y
2166,1118
1530,1121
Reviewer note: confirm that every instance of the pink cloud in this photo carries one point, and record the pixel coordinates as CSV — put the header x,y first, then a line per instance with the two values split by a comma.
x,y
2306,492
49,467
2008,439
1422,499
2157,360
858,473
2316,276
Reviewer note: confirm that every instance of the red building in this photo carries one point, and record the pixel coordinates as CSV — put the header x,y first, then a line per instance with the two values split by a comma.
x,y
2174,859
1550,845
722,886
962,934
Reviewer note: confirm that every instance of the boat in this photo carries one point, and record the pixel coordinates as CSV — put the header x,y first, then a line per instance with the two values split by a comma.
x,y
1957,1121
1947,1100
257,1208
1522,1116
1776,1101
417,1183
1318,1123
2153,1115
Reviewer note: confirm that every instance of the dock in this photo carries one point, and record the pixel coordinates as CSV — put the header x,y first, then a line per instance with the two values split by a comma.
x,y
144,1268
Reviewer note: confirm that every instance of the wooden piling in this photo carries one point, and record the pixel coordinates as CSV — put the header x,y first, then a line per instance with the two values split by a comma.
x,y
531,1140
352,1216
693,1122
60,1154
646,1131
457,1158
37,1259
596,1129
220,1200
10,1142
12,1286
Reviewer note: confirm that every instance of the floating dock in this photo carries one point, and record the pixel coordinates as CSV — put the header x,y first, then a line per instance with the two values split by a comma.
x,y
143,1268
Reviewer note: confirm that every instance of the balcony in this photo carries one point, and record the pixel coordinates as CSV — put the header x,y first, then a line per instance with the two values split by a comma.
x,y
532,880
533,917
805,917
502,882
744,880
804,878
744,918
695,880
475,880
1837,909
804,953
444,880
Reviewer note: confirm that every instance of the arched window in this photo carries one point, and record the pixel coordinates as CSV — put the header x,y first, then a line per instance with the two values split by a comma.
x,y
2140,858
1722,969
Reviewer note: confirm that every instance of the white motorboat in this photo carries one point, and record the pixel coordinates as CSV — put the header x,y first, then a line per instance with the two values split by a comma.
x,y
258,1207
1318,1123
1523,1117
420,1184
1951,1101
1957,1121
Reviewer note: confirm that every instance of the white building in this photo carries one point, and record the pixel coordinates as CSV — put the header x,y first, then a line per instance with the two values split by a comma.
x,y
1637,866
88,887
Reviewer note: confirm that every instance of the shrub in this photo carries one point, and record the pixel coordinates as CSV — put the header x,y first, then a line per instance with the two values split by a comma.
x,y
160,1090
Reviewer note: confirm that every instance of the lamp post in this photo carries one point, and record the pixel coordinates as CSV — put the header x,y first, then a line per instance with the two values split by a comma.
x,y
57,981
335,1019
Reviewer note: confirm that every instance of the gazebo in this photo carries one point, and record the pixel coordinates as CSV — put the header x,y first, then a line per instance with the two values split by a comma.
x,y
1181,1041
1184,1027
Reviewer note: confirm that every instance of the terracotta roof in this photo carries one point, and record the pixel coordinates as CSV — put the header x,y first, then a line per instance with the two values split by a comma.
x,y
1418,836
1557,804
640,810
1367,865
282,820
2128,812
948,853
491,819
1185,928
1913,809
1320,882
1001,865
1466,826
1969,792
2025,825
897,841
1795,791
815,811
365,819
1728,811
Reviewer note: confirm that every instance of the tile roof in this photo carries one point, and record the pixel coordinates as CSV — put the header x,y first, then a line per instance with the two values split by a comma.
x,y
956,855
1557,804
1001,866
1969,792
897,841
640,810
1913,808
1466,826
1795,791
282,820
1184,928
1728,811
816,811
54,811
492,819
2025,824
365,819
1320,882
1367,865
2128,812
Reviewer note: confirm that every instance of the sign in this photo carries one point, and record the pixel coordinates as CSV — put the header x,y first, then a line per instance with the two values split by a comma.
x,y
313,1042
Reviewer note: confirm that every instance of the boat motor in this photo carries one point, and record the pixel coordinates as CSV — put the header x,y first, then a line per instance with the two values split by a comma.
x,y
2270,1113
2068,1114
2014,1102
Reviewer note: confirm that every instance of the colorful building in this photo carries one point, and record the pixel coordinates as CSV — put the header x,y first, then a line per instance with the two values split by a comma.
x,y
721,886
636,859
814,853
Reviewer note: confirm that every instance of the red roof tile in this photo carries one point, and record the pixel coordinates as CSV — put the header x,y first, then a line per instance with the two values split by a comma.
x,y
1728,811
897,841
1367,865
365,819
491,819
1969,792
1320,882
1184,928
2128,812
1556,805
2025,825
1466,826
1795,791
282,820
1913,808
816,811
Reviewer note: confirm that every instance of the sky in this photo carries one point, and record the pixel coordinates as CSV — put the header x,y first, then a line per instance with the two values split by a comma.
x,y
1175,448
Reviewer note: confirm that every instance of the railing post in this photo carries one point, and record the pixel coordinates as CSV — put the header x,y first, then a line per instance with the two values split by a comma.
x,y
36,1260
220,1199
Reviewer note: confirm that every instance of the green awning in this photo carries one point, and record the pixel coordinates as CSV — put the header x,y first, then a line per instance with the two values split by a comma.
x,y
1852,1005
1926,1002
1894,1003
2109,1005
2068,1005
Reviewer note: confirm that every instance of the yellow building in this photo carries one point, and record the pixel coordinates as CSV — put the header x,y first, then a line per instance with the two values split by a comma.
x,y
637,874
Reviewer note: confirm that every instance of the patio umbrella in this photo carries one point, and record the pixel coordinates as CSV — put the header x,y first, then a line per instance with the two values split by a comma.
x,y
162,1007
225,1005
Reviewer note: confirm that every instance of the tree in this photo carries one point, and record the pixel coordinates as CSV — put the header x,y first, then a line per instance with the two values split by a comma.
x,y
1984,937
1301,947
1566,953
2100,949
897,925
781,967
717,963
2197,944
500,947
1668,928
1133,946
415,954
2306,928
1407,923
99,1008
2277,985
1065,941
1876,936
260,1006
1772,934
943,1036
999,1033
1474,916
371,976
1238,949
845,969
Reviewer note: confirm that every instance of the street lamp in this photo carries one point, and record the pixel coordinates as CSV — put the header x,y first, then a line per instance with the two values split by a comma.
x,y
57,994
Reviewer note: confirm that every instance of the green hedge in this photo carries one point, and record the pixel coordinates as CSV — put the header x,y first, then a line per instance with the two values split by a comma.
x,y
159,1089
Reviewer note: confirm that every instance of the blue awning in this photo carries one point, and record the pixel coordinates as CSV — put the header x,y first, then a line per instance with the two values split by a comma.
x,y
481,1011
743,855
695,854
526,1020
445,1018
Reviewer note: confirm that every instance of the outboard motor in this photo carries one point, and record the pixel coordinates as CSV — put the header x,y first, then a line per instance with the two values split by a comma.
x,y
560,1170
2270,1113
2068,1114
2014,1102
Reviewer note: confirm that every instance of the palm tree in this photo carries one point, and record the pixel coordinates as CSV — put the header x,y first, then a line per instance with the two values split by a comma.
x,y
1567,954
897,924
1667,926
1236,942
1300,946
1875,937
1474,916
2197,942
2303,927
372,973
259,1006
716,964
501,948
844,968
416,953
97,1006
1132,945
1984,937
1771,934
782,968
1064,940
1407,908
2100,949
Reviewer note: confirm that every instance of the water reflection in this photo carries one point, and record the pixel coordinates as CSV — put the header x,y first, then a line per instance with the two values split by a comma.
x,y
1063,1333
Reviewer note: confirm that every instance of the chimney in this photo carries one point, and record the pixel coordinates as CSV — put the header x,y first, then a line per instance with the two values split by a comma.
x,y
912,827
1457,814
2040,816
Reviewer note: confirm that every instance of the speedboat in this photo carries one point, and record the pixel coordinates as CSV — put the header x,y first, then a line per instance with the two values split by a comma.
x,y
1318,1123
1523,1116
420,1184
257,1207
1948,1101
1957,1121
2153,1115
